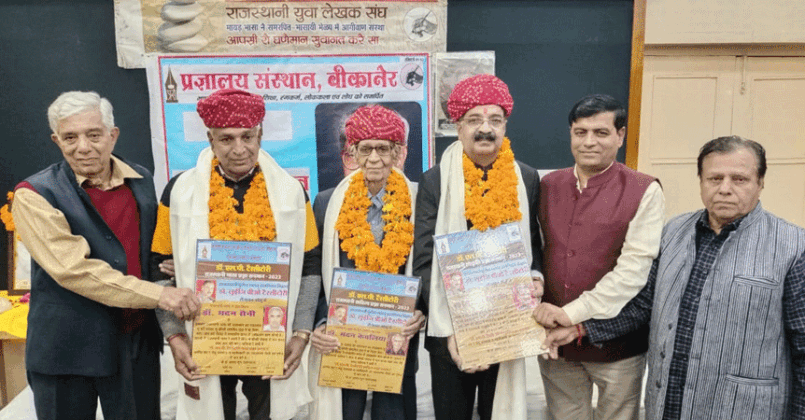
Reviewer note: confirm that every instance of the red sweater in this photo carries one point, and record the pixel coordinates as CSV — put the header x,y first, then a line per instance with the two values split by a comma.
x,y
119,210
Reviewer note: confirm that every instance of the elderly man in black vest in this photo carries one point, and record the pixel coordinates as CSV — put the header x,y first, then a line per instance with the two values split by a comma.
x,y
88,222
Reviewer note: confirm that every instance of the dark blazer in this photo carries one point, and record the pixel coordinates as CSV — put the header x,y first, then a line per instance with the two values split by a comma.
x,y
319,210
427,207
69,334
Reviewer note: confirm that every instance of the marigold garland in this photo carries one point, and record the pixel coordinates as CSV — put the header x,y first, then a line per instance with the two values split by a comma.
x,y
5,213
356,234
256,223
490,203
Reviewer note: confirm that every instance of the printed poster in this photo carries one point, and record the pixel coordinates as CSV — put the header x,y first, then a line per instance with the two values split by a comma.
x,y
308,100
450,68
22,266
488,284
367,312
243,288
276,27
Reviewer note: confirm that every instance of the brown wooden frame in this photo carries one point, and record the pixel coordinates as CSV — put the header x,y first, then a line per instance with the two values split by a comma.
x,y
636,83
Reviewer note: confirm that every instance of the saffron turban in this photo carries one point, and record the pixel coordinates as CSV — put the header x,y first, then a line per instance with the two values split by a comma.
x,y
231,108
375,123
483,89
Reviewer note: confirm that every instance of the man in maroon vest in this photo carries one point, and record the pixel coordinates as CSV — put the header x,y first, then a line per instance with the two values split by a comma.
x,y
602,224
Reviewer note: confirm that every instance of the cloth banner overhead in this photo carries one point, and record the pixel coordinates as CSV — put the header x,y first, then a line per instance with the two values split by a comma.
x,y
276,27
308,99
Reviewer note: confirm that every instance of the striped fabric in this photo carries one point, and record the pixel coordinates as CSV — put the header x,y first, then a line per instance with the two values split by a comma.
x,y
747,342
708,245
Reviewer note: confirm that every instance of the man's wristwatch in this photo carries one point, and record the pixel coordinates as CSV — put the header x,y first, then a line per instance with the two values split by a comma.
x,y
303,334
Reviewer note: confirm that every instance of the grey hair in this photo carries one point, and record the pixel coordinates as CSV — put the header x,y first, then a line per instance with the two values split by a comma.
x,y
77,102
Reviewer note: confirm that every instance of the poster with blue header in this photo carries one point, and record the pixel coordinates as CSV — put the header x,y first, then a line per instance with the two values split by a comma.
x,y
308,98
243,288
488,284
367,312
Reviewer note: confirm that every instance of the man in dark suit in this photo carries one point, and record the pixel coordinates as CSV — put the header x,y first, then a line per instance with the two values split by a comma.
x,y
88,222
477,184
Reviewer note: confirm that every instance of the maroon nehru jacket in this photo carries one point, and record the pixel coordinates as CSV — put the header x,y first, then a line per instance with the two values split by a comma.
x,y
584,233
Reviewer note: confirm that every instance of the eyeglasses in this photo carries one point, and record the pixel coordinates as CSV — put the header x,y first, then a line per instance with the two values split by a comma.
x,y
494,122
383,150
348,161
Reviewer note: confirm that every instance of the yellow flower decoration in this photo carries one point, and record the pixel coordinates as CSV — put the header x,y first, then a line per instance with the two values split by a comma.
x,y
490,203
356,234
5,213
256,223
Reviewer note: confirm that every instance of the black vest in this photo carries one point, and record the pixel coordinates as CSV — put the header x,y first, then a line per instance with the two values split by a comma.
x,y
69,334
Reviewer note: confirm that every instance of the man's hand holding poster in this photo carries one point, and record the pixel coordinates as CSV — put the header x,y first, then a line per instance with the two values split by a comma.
x,y
366,313
488,283
243,287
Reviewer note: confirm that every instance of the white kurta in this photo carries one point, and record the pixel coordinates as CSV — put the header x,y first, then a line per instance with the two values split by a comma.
x,y
510,391
189,213
327,400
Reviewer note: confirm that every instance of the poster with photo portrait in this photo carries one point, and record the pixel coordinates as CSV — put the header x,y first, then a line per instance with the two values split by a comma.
x,y
450,68
335,163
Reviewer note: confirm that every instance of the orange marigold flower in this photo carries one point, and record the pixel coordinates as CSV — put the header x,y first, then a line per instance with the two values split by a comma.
x,y
356,235
256,223
492,202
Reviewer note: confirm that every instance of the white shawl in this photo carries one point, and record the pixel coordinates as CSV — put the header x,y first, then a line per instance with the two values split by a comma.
x,y
510,391
189,212
327,400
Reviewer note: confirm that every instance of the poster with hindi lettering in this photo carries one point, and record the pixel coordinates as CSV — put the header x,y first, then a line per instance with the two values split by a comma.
x,y
488,284
276,27
243,288
366,313
308,100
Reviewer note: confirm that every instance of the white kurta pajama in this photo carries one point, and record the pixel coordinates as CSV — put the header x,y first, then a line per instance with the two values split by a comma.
x,y
189,214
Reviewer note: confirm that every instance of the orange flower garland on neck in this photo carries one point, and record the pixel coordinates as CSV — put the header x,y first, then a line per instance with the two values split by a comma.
x,y
256,223
490,203
5,213
356,234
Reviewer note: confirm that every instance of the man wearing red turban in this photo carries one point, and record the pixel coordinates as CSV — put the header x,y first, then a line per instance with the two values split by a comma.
x,y
238,192
349,162
477,184
377,238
